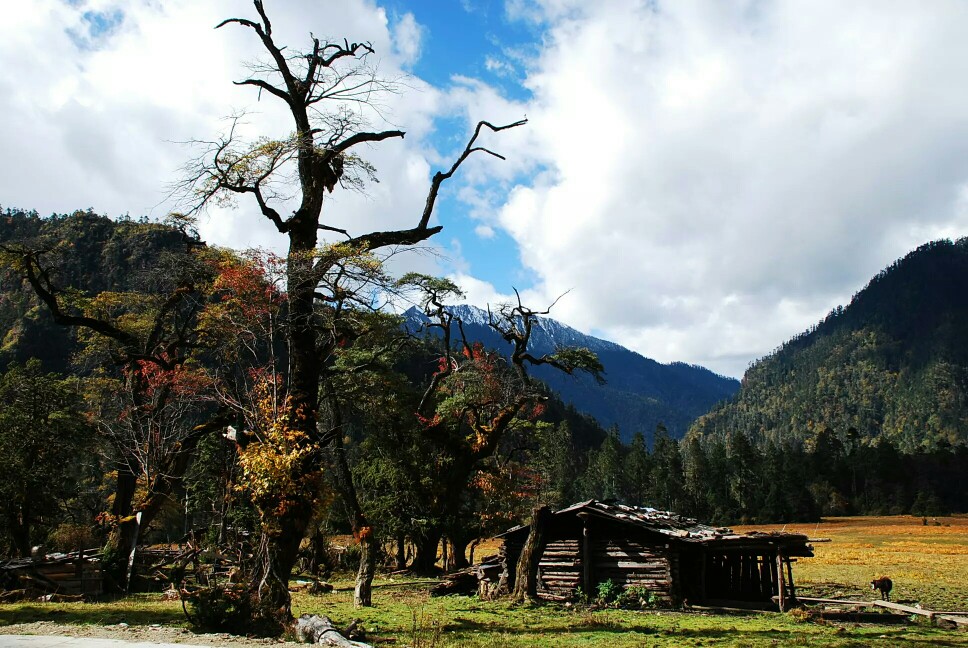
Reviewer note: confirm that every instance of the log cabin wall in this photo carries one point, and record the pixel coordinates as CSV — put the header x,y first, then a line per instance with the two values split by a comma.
x,y
560,569
638,562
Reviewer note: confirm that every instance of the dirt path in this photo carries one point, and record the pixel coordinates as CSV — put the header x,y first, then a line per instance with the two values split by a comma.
x,y
152,634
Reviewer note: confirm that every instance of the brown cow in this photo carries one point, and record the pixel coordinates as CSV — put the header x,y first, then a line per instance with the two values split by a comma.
x,y
884,585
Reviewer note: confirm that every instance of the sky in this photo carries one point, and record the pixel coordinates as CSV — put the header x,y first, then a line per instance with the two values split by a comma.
x,y
701,180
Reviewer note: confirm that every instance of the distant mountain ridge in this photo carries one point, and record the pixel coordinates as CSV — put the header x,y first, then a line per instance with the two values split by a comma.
x,y
639,393
893,364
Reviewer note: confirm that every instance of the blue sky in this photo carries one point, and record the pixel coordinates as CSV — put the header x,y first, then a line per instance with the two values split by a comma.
x,y
703,179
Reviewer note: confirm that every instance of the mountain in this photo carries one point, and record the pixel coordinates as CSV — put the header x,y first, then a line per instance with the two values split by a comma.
x,y
639,393
893,364
93,253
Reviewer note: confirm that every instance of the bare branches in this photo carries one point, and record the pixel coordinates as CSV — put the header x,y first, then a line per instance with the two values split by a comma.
x,y
515,324
439,177
39,278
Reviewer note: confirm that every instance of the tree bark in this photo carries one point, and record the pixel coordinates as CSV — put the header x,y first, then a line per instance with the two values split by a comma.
x,y
425,560
526,575
401,553
363,592
458,550
276,557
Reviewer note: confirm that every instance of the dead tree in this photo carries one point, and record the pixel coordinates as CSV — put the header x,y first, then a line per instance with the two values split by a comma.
x,y
327,90
526,574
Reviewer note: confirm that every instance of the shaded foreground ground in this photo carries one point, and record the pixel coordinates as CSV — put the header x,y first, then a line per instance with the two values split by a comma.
x,y
929,564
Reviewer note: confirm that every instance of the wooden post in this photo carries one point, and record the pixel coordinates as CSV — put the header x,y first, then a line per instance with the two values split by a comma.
x,y
702,573
781,585
586,557
793,588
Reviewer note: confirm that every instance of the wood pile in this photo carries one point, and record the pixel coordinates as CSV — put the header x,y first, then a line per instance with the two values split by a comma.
x,y
75,575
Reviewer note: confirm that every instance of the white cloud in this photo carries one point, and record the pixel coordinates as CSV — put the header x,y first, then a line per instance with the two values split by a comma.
x,y
479,292
98,125
707,178
722,174
407,38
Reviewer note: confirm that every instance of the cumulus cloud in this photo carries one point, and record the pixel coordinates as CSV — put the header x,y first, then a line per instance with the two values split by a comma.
x,y
97,96
719,175
706,178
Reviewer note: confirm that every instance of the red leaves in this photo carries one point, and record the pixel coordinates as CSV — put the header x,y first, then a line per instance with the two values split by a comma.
x,y
180,381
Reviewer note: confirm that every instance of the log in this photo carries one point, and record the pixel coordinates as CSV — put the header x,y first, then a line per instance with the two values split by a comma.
x,y
907,609
810,599
317,629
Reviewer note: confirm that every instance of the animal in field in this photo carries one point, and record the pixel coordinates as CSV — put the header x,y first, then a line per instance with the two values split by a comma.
x,y
883,585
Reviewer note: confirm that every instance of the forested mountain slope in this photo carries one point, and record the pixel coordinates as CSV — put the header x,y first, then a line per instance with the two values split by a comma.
x,y
639,392
94,254
893,364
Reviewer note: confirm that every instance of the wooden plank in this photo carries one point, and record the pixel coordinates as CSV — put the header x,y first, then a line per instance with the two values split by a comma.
x,y
958,621
862,617
903,608
810,599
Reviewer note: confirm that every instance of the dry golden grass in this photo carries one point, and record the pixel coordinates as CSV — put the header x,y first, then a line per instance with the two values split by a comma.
x,y
927,562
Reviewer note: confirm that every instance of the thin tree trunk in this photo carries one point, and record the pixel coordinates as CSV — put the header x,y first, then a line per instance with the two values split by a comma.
x,y
20,533
362,529
526,576
401,553
363,592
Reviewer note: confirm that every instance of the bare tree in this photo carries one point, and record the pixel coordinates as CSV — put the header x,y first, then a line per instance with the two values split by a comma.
x,y
328,89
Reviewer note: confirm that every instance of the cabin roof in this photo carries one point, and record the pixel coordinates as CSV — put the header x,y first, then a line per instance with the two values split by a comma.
x,y
671,525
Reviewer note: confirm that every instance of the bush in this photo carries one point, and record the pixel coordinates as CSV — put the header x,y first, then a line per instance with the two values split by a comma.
x,y
635,597
607,592
72,537
229,608
225,609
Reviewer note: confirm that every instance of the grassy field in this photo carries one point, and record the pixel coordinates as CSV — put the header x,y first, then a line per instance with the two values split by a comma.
x,y
929,564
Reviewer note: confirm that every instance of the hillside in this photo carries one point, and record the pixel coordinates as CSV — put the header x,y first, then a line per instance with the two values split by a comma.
x,y
639,394
891,364
94,253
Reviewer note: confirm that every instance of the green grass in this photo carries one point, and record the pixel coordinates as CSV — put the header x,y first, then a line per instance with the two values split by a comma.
x,y
413,618
928,564
137,609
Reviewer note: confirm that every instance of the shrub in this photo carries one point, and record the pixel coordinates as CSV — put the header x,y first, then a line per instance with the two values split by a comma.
x,y
607,592
635,597
229,608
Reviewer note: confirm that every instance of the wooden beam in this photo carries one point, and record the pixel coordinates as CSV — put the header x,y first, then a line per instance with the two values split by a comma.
x,y
781,585
586,555
811,599
907,609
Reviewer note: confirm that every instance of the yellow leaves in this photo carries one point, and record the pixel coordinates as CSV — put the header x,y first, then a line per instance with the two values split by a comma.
x,y
279,471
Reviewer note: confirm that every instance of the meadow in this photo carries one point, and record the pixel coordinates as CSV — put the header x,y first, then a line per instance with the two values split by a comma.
x,y
928,563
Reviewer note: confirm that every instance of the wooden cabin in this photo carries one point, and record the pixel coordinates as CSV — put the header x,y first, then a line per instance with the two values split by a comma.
x,y
674,557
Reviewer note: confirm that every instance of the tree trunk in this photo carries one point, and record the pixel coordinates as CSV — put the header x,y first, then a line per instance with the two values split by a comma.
x,y
363,592
119,540
458,550
401,553
269,586
526,576
20,533
425,561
